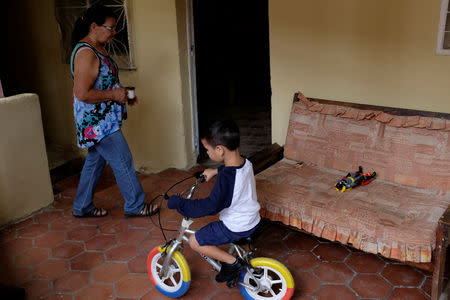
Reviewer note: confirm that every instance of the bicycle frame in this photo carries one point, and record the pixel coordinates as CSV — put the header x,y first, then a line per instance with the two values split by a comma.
x,y
177,243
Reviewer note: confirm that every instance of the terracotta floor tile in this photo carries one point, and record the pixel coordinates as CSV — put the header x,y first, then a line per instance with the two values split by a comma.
x,y
333,272
8,234
62,202
132,236
22,224
370,286
138,264
71,281
201,288
101,242
301,261
109,272
114,227
122,253
408,294
50,269
305,283
16,246
426,286
48,216
153,294
268,248
70,182
87,261
133,286
54,296
331,252
365,263
110,202
301,297
167,215
32,256
199,267
35,289
300,241
82,233
67,250
50,239
69,192
110,193
15,276
95,221
96,292
334,292
141,222
227,295
402,275
273,232
32,230
146,246
65,224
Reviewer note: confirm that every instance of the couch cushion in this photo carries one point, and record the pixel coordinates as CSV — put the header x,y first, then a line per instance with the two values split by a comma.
x,y
409,150
393,220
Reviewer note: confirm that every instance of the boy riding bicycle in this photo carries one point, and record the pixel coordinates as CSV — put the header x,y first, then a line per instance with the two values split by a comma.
x,y
233,196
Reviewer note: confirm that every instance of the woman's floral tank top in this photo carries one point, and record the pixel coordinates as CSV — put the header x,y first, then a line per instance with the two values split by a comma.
x,y
95,121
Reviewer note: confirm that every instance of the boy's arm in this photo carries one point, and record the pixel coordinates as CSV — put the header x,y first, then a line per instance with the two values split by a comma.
x,y
210,173
220,198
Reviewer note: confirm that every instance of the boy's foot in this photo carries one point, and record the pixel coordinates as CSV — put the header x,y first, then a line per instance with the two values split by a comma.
x,y
229,272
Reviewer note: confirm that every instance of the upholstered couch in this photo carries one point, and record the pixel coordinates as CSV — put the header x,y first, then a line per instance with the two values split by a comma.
x,y
397,214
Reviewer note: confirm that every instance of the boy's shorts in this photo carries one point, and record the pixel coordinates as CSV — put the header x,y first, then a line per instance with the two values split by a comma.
x,y
216,233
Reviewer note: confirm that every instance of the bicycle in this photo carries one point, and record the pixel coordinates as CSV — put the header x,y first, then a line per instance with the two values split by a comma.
x,y
264,278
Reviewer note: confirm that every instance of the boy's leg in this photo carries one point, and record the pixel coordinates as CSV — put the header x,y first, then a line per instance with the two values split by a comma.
x,y
211,251
92,169
215,233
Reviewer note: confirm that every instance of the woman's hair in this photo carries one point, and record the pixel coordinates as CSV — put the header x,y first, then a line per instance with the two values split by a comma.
x,y
223,133
94,14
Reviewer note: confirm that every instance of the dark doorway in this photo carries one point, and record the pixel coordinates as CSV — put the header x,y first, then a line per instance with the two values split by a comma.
x,y
233,68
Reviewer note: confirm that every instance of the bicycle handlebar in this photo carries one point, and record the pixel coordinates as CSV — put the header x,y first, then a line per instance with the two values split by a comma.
x,y
198,175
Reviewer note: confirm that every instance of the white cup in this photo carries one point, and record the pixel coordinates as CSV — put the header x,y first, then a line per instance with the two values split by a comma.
x,y
130,92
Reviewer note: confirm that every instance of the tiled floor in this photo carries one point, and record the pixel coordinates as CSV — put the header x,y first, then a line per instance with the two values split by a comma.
x,y
55,256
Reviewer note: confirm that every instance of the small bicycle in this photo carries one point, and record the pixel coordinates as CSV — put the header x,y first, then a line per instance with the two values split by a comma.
x,y
264,278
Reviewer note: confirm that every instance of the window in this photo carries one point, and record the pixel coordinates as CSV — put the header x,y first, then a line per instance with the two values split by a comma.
x,y
68,11
443,46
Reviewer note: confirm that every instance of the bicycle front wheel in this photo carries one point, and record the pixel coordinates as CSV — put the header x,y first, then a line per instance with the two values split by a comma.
x,y
275,280
178,278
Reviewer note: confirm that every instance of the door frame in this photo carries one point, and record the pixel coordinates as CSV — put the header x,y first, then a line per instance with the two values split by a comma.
x,y
192,73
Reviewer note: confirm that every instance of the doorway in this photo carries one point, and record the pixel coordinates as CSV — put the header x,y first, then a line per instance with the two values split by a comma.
x,y
233,68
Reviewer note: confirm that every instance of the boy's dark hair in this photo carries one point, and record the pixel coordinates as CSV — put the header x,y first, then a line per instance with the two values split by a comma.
x,y
95,14
223,133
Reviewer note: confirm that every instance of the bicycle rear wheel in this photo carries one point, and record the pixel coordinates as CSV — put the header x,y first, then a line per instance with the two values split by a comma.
x,y
275,280
178,278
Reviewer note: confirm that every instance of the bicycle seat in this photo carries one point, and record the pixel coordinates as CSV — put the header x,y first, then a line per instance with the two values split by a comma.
x,y
244,241
250,239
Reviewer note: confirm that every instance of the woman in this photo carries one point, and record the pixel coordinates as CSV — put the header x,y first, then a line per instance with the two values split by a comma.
x,y
99,103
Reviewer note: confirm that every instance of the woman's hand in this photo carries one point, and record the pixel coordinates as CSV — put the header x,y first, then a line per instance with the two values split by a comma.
x,y
120,95
133,101
209,173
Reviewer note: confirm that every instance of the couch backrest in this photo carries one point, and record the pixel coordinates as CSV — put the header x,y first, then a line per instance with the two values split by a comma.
x,y
408,149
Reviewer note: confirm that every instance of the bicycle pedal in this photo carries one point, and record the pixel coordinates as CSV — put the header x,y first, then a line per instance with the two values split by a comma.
x,y
231,283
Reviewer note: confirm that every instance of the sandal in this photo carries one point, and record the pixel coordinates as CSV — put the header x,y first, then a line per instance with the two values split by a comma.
x,y
95,213
146,211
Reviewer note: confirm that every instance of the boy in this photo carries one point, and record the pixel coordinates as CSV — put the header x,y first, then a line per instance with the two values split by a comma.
x,y
233,196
